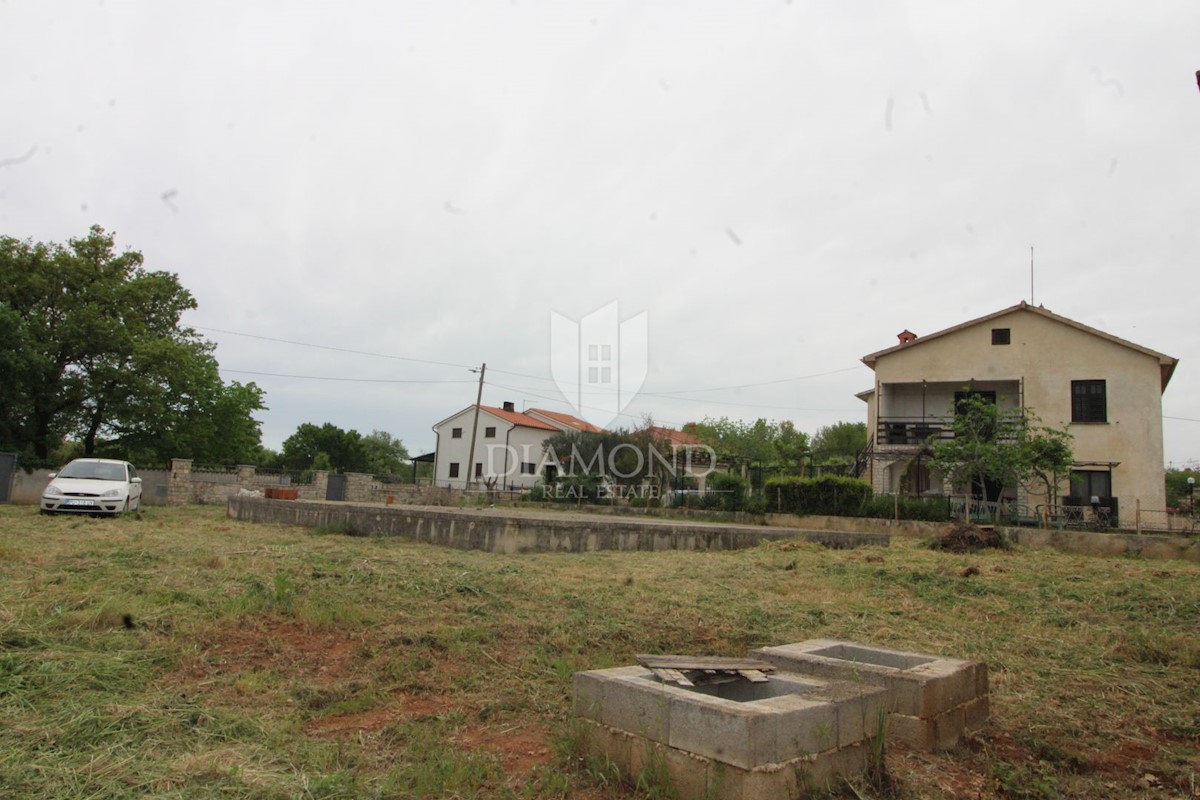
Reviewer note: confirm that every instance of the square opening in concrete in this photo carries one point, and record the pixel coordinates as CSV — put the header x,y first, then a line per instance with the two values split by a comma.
x,y
742,691
932,700
873,655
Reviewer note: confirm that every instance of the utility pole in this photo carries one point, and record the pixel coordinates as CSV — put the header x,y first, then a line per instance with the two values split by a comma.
x,y
475,428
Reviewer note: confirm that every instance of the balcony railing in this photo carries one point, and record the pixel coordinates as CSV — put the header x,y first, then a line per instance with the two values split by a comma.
x,y
912,430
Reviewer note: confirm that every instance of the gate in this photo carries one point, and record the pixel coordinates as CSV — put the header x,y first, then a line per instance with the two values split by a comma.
x,y
8,470
336,488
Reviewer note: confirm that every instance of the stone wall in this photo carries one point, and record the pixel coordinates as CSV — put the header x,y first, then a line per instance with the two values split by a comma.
x,y
511,531
187,485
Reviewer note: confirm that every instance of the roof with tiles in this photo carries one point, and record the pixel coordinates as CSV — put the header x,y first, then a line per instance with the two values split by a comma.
x,y
515,418
566,419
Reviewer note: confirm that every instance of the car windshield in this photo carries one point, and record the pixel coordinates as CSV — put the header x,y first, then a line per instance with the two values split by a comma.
x,y
92,470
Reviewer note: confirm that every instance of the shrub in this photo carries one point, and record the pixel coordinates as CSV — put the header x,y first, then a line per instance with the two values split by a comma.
x,y
727,492
885,506
833,495
576,489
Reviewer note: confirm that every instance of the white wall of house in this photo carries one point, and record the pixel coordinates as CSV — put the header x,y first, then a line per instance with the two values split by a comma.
x,y
501,449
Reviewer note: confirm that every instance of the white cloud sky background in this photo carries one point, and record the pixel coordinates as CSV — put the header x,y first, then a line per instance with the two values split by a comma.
x,y
782,187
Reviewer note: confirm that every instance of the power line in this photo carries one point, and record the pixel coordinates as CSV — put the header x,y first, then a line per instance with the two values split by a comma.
x,y
557,401
664,394
752,385
329,378
335,349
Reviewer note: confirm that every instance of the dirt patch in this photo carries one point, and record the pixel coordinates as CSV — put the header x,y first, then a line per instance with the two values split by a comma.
x,y
520,748
967,539
320,656
937,776
401,707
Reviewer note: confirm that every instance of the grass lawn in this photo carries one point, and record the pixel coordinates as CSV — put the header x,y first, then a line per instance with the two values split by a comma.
x,y
183,654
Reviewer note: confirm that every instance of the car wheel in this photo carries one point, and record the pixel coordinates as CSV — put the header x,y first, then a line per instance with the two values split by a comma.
x,y
125,510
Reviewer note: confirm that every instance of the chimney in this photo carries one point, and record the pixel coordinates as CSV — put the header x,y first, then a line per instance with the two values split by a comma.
x,y
906,336
508,406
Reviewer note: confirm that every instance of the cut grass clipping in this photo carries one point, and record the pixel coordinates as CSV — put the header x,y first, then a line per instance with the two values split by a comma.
x,y
187,655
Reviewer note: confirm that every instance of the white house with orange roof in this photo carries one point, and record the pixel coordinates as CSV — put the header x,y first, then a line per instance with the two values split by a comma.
x,y
507,446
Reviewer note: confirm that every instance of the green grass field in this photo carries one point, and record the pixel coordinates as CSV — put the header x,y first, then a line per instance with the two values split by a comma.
x,y
182,654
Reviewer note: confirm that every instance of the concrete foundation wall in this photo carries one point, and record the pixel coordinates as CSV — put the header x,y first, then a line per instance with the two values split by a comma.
x,y
1108,544
1090,543
508,531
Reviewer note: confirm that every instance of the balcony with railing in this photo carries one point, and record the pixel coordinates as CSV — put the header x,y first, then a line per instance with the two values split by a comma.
x,y
913,431
917,414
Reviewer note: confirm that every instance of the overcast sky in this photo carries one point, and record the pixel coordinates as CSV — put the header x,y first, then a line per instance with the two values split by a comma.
x,y
780,186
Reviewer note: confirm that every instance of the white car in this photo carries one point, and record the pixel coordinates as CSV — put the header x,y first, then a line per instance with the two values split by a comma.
x,y
94,486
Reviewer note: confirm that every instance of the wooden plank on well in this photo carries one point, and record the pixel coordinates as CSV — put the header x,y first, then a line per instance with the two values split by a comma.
x,y
703,663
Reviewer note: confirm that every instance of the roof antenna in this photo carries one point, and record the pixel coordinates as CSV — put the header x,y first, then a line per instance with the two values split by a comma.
x,y
1030,274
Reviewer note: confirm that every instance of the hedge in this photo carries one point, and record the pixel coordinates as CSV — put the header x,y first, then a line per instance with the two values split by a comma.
x,y
832,495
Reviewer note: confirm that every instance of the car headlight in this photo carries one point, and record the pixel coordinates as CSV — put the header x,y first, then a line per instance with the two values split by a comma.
x,y
112,493
52,491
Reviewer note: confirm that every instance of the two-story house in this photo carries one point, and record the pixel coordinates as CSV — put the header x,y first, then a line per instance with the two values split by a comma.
x,y
507,445
1105,390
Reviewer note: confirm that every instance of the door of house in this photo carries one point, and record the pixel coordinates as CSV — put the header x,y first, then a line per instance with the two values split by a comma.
x,y
8,471
336,488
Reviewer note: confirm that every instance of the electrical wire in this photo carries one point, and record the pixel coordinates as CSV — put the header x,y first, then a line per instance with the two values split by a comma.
x,y
666,394
329,378
336,349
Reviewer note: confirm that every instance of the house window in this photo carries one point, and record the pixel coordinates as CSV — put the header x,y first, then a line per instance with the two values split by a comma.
x,y
489,433
1086,484
453,469
1001,336
479,470
1089,401
528,468
599,363
456,433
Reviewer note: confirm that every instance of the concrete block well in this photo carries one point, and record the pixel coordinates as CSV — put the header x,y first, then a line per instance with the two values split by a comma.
x,y
735,739
932,701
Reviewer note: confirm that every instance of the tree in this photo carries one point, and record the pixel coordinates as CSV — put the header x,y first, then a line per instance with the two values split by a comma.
x,y
753,441
994,448
1179,493
791,447
589,460
386,455
101,357
777,446
324,447
839,443
330,447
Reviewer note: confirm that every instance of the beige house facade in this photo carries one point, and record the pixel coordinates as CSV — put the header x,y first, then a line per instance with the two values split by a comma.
x,y
1105,391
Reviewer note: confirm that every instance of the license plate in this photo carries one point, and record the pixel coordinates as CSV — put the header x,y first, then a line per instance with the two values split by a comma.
x,y
80,503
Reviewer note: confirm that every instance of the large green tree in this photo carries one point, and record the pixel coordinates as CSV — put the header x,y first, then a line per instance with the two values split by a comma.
x,y
97,355
329,447
386,455
996,447
839,443
777,446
